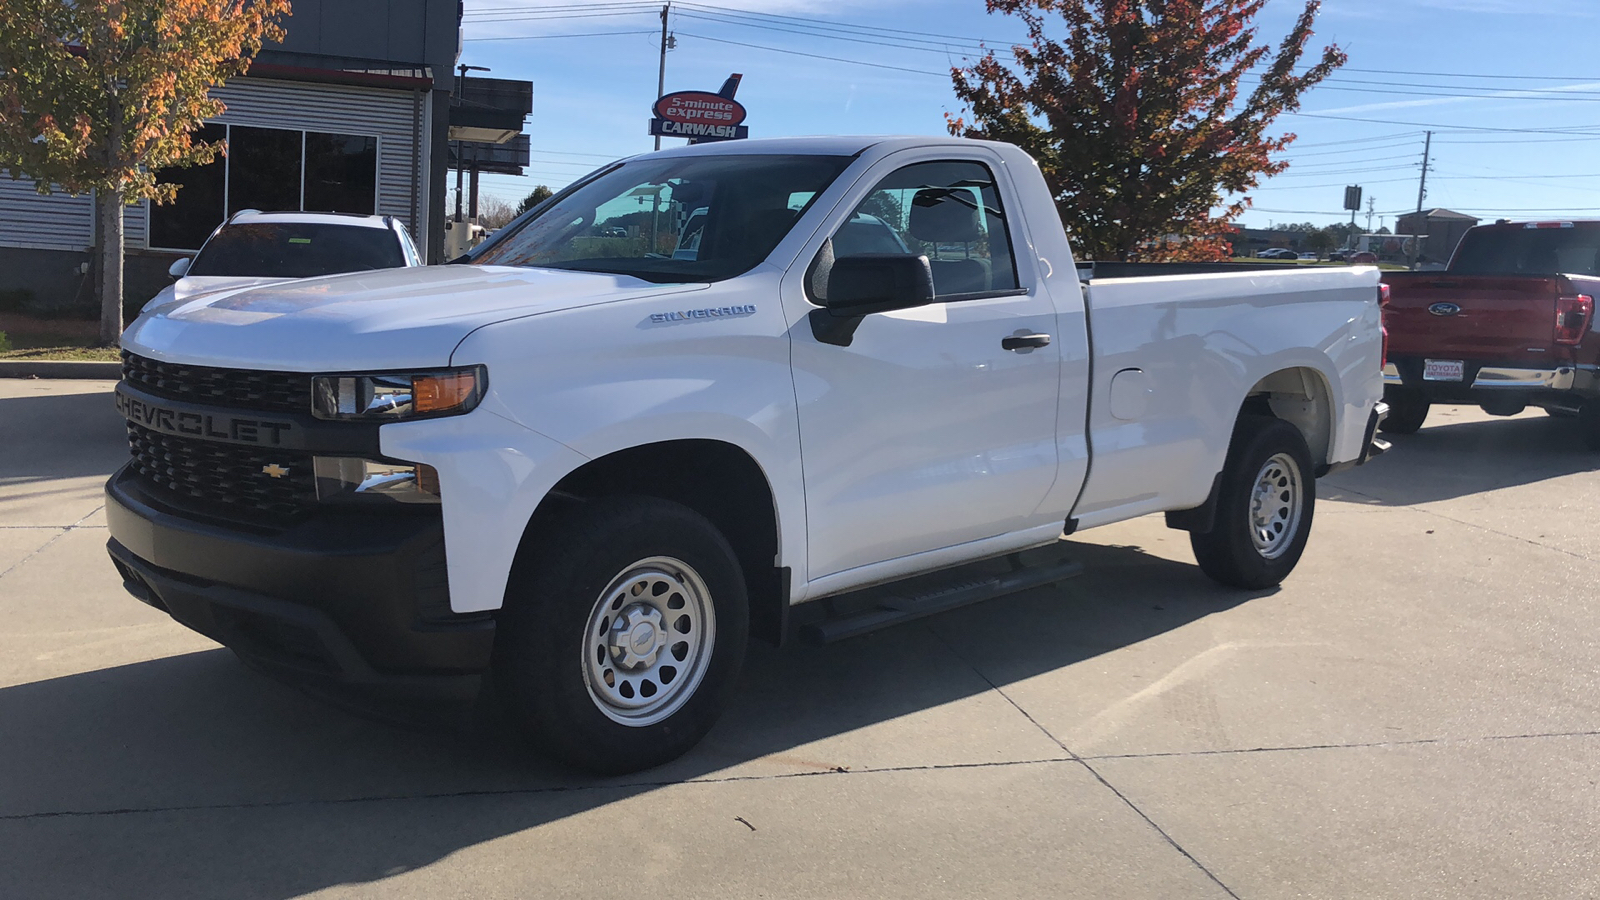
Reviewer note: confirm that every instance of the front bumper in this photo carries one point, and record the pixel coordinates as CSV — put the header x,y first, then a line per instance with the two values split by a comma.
x,y
347,597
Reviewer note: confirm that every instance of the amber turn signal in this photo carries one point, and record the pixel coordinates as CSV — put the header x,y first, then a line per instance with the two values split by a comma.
x,y
444,391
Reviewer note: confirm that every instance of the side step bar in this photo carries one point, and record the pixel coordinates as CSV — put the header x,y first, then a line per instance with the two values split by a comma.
x,y
870,609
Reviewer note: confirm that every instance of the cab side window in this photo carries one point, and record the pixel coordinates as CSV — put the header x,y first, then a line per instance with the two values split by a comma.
x,y
947,211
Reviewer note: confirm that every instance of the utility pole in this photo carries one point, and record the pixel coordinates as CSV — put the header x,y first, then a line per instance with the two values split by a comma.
x,y
1372,203
1422,191
661,74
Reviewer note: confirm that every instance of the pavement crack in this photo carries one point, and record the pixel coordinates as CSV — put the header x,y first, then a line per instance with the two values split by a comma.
x,y
1354,745
1165,836
519,792
47,544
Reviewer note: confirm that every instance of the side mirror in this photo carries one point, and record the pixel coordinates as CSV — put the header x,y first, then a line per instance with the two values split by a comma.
x,y
878,282
180,268
860,285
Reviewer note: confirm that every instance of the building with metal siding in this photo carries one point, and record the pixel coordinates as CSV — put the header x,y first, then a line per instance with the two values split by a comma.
x,y
373,74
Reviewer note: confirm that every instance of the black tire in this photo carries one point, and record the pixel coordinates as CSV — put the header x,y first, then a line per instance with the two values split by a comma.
x,y
575,565
1229,552
1408,409
1589,424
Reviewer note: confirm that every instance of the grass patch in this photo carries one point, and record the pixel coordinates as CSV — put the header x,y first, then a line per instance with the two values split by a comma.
x,y
73,354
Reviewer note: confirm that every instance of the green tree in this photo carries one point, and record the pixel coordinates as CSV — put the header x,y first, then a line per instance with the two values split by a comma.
x,y
102,95
1322,241
1136,116
535,197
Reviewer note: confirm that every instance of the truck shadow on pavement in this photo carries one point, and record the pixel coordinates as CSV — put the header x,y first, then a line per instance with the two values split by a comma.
x,y
193,776
50,436
1444,461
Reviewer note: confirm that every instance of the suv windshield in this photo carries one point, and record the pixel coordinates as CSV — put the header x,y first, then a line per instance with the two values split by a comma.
x,y
297,250
1497,250
679,219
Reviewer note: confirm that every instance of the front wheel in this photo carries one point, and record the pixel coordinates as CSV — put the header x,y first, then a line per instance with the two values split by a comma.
x,y
1266,498
623,634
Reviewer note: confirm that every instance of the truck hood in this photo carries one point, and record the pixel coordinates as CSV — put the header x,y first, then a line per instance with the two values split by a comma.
x,y
394,318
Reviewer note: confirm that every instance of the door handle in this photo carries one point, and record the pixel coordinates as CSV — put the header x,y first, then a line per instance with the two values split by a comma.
x,y
1025,341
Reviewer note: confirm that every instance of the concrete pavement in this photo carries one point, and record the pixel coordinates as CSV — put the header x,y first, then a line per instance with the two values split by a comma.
x,y
1411,715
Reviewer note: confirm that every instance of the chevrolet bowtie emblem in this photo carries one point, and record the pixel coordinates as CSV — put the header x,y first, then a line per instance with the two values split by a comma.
x,y
275,470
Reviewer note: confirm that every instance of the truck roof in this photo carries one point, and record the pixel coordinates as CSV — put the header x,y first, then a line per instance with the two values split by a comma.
x,y
830,145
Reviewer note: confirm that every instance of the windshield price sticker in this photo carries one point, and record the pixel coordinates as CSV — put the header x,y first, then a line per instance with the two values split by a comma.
x,y
1443,370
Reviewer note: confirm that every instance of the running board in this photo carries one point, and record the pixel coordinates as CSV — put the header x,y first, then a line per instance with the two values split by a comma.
x,y
870,609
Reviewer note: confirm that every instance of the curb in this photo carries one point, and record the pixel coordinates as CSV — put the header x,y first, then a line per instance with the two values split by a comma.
x,y
47,368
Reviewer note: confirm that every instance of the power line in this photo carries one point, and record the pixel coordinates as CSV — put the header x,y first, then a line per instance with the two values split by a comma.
x,y
1575,129
543,37
856,62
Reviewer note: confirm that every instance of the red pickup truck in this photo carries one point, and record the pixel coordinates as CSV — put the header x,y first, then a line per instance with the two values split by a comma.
x,y
1506,326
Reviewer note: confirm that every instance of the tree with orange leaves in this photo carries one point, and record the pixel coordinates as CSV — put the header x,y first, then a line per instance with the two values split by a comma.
x,y
1136,117
101,95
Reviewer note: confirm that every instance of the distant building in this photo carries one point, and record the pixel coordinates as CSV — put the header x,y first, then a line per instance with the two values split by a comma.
x,y
1442,230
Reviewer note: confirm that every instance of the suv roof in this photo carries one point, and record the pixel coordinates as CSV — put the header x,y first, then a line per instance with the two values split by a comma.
x,y
325,218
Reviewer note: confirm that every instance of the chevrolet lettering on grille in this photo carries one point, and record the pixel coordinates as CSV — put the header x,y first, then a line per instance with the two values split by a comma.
x,y
200,424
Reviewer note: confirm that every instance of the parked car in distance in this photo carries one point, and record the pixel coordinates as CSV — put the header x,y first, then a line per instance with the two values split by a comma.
x,y
1276,253
255,247
1362,258
1507,325
1308,257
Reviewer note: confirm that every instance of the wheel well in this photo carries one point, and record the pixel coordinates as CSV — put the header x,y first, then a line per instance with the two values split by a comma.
x,y
716,479
1300,397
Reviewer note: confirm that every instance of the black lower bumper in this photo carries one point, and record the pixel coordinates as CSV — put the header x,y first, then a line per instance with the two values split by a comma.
x,y
347,597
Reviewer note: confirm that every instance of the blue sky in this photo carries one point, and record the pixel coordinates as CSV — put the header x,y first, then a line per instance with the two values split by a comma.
x,y
1511,89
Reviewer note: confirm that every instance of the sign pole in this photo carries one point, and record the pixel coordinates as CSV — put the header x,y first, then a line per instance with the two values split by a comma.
x,y
661,74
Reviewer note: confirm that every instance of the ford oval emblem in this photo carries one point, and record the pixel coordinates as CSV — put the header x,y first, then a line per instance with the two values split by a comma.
x,y
1444,309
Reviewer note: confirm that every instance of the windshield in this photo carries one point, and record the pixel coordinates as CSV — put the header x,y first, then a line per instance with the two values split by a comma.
x,y
297,250
678,219
1573,250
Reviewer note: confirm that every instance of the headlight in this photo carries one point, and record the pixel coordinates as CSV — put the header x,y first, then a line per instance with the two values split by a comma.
x,y
344,479
399,395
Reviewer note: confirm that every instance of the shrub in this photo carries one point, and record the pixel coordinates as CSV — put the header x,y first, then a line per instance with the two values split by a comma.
x,y
5,342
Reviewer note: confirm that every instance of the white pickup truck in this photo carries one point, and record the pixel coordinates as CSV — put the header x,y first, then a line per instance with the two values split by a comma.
x,y
584,468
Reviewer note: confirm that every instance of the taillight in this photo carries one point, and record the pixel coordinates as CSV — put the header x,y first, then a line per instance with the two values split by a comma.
x,y
1573,313
1383,318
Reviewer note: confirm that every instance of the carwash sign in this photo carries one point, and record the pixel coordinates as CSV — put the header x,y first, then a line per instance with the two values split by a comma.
x,y
699,116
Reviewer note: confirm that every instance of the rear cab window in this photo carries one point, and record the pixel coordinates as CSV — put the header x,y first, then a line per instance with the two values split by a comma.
x,y
1561,248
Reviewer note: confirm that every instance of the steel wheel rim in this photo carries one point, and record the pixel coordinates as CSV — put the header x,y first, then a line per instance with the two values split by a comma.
x,y
648,641
1276,503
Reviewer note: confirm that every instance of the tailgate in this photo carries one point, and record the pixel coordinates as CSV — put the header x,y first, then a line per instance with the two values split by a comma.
x,y
1506,319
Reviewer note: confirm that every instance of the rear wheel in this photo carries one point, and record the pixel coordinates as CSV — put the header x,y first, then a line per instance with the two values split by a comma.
x,y
623,634
1589,424
1408,408
1266,498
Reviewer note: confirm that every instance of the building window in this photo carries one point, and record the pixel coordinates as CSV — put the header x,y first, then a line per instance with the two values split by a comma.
x,y
186,222
341,173
270,169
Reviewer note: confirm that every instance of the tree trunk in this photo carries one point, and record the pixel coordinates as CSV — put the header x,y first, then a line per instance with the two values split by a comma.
x,y
108,212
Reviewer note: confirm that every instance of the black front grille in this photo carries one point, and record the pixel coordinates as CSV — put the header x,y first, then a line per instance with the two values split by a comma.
x,y
234,388
227,479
